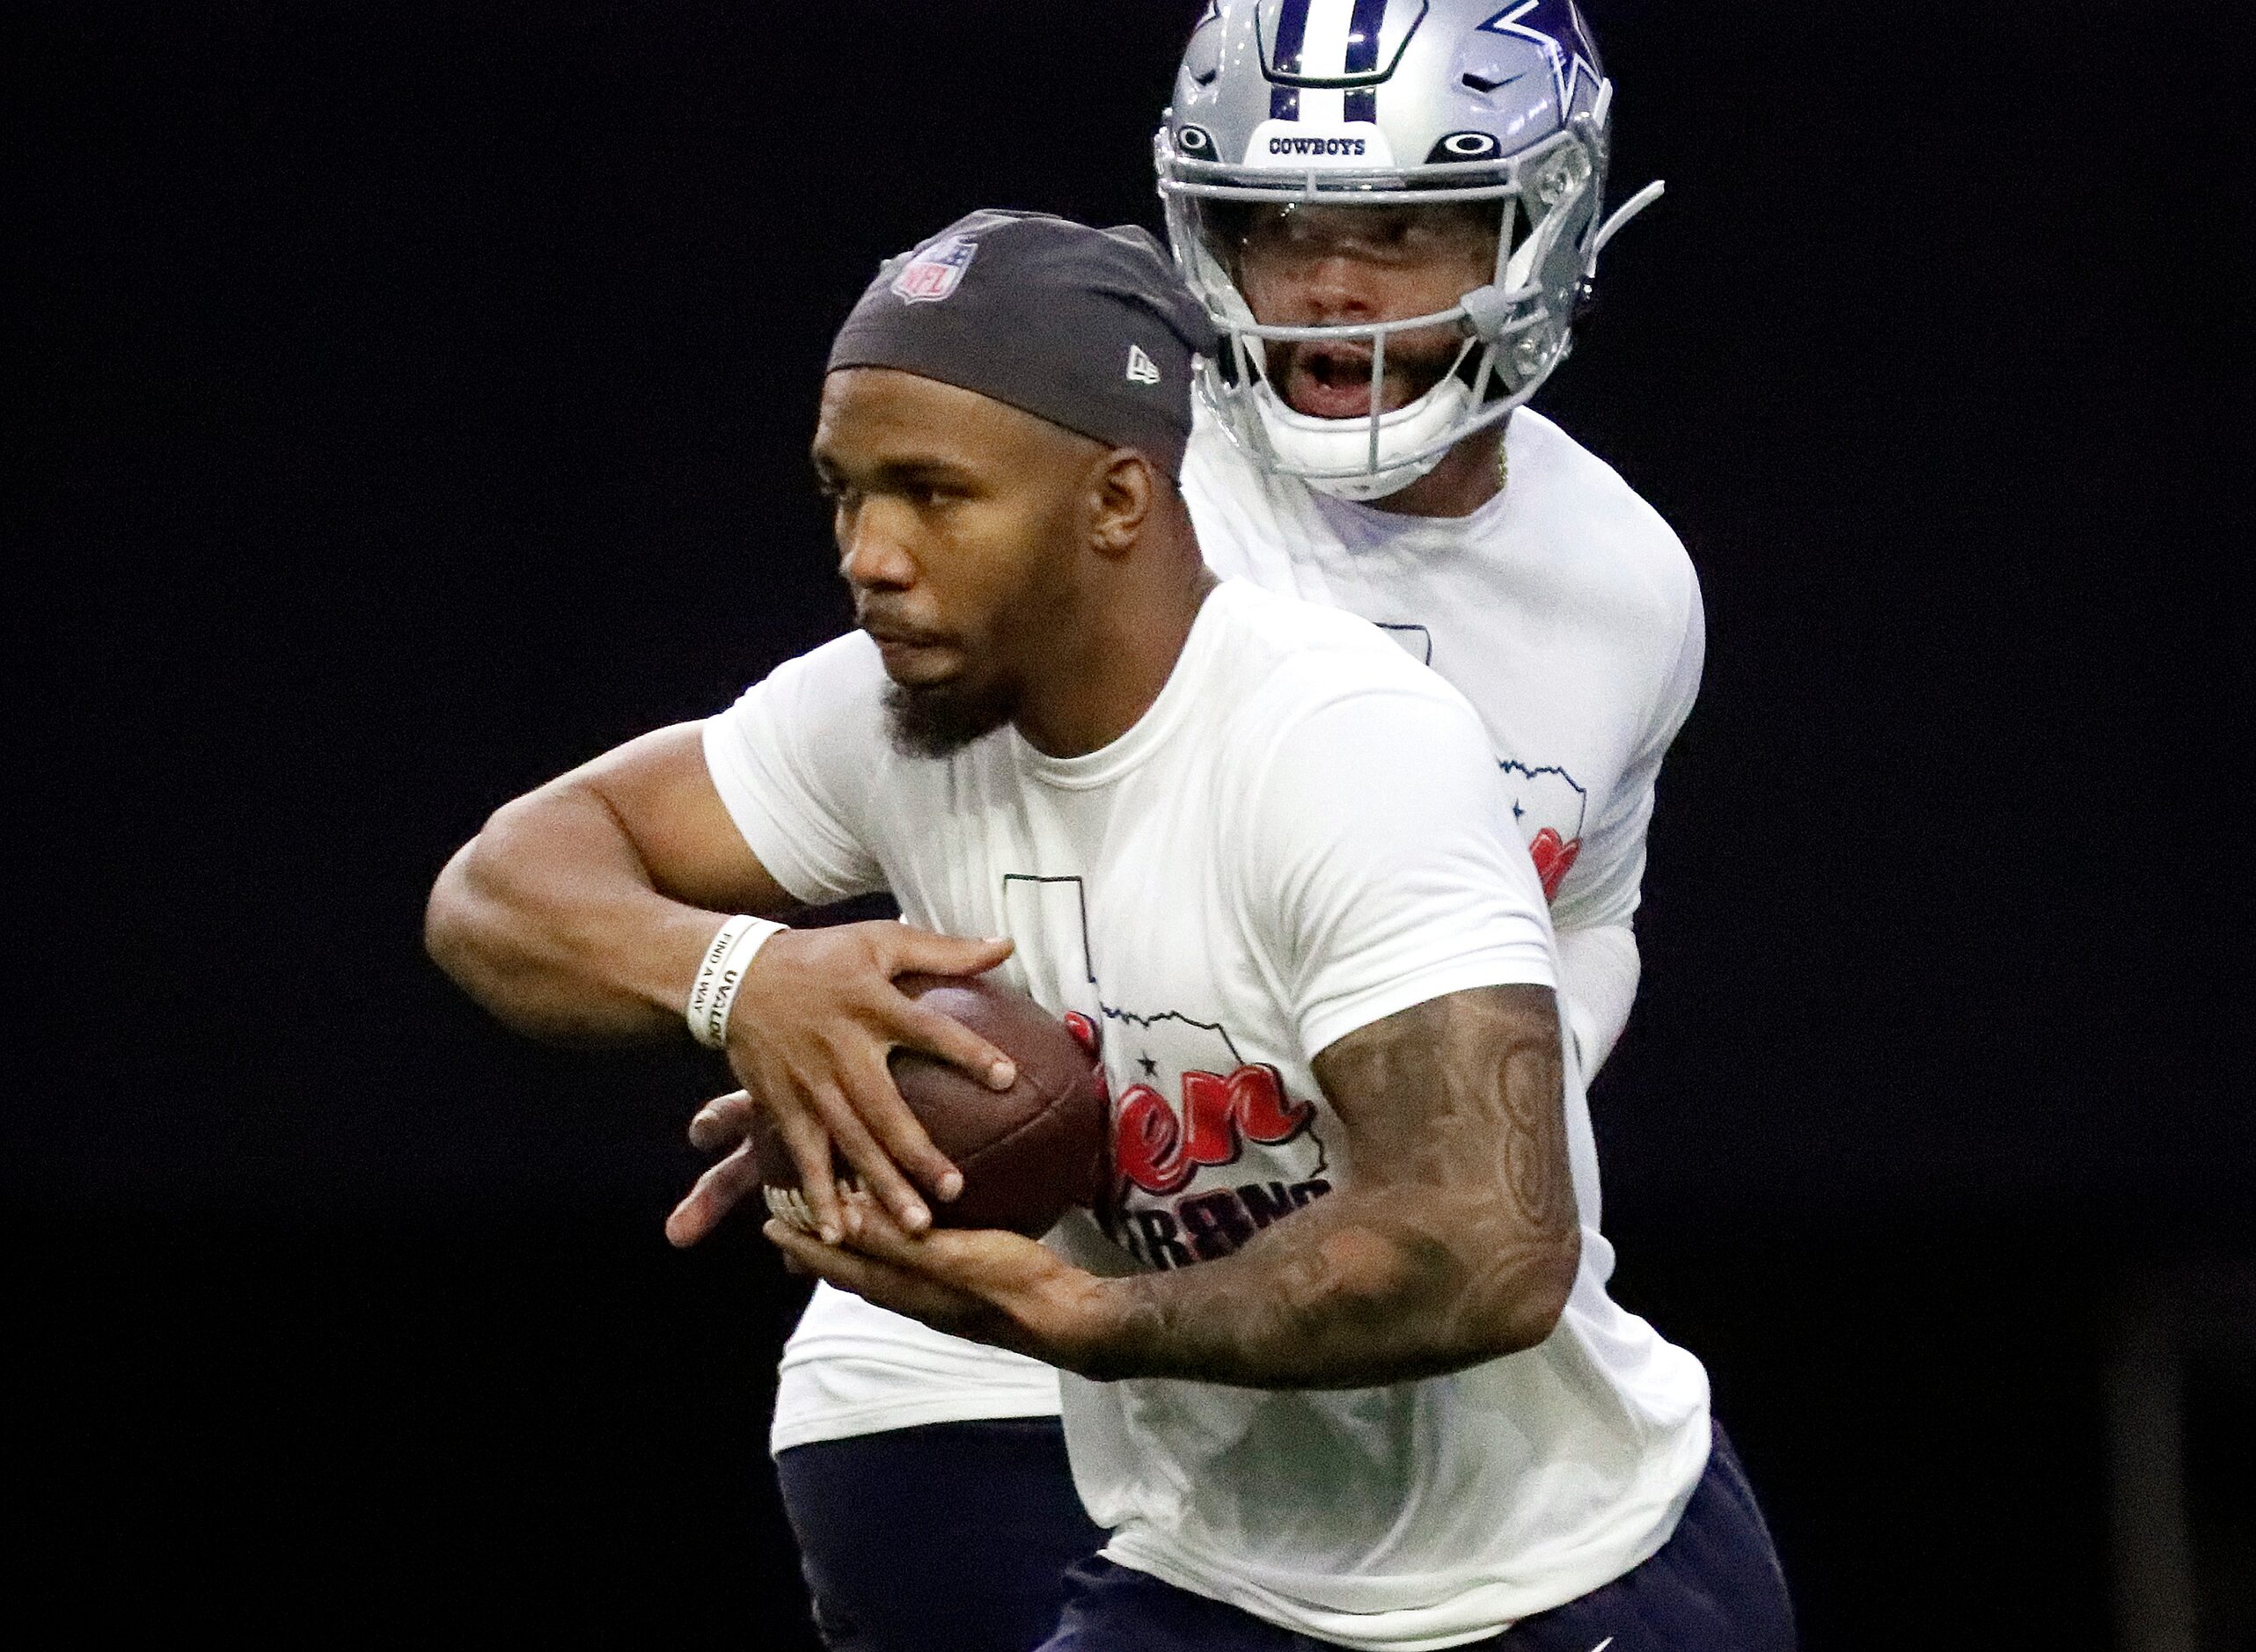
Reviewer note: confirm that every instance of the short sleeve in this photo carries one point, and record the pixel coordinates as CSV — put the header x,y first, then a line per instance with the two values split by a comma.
x,y
1380,861
796,760
1604,888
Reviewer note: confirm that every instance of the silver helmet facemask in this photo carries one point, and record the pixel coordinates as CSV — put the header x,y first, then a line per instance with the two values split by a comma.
x,y
1460,97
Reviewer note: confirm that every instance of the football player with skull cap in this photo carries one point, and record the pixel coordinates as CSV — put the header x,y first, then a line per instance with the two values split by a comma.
x,y
1393,211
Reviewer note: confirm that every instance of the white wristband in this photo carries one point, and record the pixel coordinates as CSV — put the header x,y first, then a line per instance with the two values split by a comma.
x,y
714,993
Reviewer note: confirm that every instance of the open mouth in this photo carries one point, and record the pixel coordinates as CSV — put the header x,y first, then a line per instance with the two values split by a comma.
x,y
1324,380
1329,381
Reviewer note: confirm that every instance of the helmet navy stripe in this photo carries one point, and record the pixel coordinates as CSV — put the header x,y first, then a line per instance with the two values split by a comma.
x,y
1363,57
1363,40
1292,31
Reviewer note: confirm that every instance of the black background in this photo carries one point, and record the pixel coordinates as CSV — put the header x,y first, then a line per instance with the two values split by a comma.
x,y
416,401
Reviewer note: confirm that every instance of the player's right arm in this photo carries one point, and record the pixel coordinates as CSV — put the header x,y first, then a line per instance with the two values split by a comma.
x,y
1599,968
1599,960
582,910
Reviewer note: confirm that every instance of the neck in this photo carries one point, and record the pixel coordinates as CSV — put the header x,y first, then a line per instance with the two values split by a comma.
x,y
1465,480
1099,675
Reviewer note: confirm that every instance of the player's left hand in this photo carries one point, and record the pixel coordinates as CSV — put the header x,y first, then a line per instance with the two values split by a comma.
x,y
989,1286
722,1125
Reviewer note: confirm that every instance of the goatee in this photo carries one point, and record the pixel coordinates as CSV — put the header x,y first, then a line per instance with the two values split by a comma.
x,y
940,720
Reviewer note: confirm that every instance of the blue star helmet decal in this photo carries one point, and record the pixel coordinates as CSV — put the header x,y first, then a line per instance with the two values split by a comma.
x,y
1556,25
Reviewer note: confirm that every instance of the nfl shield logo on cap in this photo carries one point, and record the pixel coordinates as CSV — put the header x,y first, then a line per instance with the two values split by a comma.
x,y
936,272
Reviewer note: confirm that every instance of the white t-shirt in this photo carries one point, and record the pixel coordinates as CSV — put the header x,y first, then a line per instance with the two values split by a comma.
x,y
1567,612
1304,835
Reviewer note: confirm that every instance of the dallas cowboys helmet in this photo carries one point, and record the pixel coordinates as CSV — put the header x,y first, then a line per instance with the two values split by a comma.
x,y
1292,103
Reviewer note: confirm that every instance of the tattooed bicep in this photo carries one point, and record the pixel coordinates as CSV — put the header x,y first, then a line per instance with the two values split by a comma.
x,y
1462,1091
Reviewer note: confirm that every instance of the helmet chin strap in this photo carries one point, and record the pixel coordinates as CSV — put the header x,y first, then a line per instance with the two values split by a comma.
x,y
1319,450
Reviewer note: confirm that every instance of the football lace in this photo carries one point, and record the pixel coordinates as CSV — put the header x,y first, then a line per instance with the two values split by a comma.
x,y
789,1205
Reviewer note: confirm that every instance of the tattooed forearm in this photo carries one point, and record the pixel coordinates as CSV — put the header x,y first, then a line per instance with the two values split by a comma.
x,y
1457,1240
1535,1140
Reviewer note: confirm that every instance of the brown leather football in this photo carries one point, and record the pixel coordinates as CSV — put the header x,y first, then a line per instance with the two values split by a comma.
x,y
1029,1154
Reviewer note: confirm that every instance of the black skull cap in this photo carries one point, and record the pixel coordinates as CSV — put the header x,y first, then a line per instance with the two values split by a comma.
x,y
1090,329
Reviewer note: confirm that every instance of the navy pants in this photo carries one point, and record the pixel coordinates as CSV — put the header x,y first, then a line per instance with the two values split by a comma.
x,y
1713,1587
968,1536
956,1535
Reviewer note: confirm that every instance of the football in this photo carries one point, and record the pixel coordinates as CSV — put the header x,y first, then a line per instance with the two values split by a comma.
x,y
1029,1154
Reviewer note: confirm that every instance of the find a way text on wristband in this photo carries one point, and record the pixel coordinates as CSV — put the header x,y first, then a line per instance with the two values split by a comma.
x,y
720,973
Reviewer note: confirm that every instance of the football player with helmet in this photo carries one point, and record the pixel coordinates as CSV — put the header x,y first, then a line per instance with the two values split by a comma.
x,y
1393,211
1315,150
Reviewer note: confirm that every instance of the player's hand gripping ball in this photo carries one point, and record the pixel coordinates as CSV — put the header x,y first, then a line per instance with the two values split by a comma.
x,y
1029,1154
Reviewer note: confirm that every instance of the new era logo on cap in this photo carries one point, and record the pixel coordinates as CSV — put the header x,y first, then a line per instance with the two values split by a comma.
x,y
936,272
1141,369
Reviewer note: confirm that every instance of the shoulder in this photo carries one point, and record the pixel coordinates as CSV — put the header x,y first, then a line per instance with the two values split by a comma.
x,y
847,668
795,761
1367,823
1272,634
832,687
829,698
1290,661
1587,522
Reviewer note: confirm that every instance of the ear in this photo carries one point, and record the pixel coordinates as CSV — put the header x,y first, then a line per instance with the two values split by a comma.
x,y
1125,490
